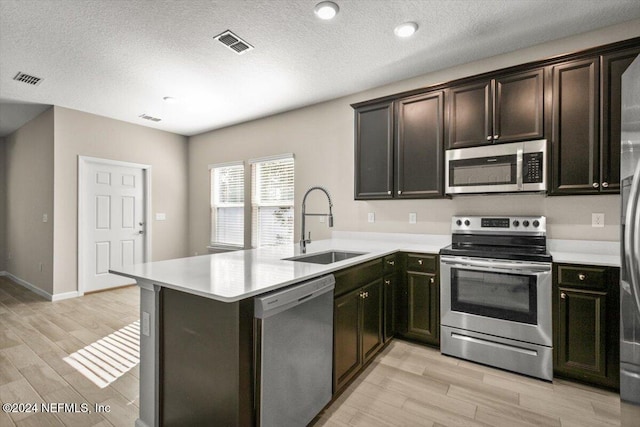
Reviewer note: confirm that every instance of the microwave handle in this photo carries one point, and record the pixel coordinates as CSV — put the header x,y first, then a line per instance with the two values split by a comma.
x,y
519,162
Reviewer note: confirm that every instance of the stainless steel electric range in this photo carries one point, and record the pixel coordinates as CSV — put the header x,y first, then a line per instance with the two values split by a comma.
x,y
495,294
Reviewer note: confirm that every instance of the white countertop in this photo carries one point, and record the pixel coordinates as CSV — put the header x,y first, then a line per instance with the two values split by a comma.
x,y
585,252
233,276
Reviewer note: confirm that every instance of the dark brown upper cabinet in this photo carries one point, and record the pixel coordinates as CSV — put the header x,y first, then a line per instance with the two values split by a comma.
x,y
612,66
576,155
586,124
504,109
411,131
374,151
419,146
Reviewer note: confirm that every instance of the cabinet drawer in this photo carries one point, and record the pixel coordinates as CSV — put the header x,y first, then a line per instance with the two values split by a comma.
x,y
422,262
582,276
389,264
358,276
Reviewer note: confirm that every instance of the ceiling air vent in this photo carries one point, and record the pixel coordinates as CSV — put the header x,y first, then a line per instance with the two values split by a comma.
x,y
26,78
233,42
146,117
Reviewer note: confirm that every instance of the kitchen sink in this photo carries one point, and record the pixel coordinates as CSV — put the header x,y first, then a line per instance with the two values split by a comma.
x,y
325,257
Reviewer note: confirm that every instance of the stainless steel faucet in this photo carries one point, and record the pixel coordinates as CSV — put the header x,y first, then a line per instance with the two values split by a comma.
x,y
303,241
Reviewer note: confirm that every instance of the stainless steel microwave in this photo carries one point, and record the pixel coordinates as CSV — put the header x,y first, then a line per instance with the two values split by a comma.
x,y
502,168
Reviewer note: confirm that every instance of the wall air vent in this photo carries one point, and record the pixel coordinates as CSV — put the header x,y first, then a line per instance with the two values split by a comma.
x,y
233,42
146,117
26,78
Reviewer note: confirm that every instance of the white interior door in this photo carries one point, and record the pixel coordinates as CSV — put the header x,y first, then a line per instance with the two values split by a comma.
x,y
114,223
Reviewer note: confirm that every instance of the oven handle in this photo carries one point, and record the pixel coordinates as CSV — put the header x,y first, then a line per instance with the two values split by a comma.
x,y
519,267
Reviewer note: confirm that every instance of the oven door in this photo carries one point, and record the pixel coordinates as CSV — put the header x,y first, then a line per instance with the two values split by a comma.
x,y
510,299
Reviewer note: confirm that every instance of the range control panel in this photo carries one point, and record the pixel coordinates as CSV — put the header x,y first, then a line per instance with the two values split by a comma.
x,y
499,224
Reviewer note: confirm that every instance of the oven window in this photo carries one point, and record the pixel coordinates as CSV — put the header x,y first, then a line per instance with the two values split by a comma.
x,y
499,295
483,171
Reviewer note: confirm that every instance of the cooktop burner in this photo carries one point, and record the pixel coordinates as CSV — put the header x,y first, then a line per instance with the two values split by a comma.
x,y
504,237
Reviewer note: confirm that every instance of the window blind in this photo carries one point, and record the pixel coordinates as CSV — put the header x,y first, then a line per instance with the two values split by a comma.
x,y
272,195
227,205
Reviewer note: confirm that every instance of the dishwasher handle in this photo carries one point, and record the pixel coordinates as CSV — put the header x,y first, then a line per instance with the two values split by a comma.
x,y
279,301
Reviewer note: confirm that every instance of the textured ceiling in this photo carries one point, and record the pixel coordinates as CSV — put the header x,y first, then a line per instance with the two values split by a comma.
x,y
119,58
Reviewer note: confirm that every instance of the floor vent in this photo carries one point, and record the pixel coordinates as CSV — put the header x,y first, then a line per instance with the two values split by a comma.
x,y
233,42
26,78
146,117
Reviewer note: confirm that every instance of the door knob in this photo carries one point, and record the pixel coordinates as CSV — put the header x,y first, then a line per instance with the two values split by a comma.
x,y
563,295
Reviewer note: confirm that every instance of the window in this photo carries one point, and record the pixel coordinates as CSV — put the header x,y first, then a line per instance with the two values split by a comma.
x,y
227,204
272,200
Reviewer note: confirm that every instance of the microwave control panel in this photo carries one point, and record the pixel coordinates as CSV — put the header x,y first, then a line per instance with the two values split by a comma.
x,y
532,167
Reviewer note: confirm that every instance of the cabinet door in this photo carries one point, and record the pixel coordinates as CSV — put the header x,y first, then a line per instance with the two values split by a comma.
x,y
419,146
374,152
581,332
423,307
470,115
612,67
389,304
519,107
347,357
371,319
575,140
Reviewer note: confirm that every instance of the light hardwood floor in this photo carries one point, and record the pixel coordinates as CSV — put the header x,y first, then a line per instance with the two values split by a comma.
x,y
406,385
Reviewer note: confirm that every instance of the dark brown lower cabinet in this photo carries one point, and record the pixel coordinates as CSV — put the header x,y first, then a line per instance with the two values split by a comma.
x,y
357,331
419,299
586,319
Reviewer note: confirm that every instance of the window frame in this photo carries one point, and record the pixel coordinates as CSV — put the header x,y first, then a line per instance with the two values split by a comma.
x,y
257,204
214,205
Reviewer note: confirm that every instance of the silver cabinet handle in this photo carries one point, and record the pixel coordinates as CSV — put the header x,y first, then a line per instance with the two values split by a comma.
x,y
432,280
420,261
596,185
496,136
387,282
605,184
389,192
563,295
391,262
488,137
399,192
582,276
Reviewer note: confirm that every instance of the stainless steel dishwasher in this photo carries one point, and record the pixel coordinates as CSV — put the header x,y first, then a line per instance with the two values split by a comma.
x,y
294,353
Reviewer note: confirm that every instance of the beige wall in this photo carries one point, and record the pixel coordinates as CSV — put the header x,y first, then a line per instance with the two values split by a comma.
x,y
321,137
3,206
84,134
29,196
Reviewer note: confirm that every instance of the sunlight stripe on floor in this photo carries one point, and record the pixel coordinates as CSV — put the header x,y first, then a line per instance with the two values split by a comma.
x,y
107,359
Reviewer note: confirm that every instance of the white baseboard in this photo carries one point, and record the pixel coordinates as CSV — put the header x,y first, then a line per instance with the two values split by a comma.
x,y
37,290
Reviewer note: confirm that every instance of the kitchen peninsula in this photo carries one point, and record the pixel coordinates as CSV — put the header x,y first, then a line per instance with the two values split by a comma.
x,y
196,344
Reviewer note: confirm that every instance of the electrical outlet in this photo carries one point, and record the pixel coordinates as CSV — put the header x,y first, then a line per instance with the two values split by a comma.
x,y
597,220
160,216
321,219
371,217
45,217
412,218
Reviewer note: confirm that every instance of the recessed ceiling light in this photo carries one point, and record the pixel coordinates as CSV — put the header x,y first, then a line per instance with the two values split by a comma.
x,y
406,29
326,10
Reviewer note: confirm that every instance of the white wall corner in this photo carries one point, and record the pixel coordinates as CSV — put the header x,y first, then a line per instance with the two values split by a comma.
x,y
33,288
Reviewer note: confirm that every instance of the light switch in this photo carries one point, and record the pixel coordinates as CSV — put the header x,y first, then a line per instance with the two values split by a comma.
x,y
161,216
45,217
